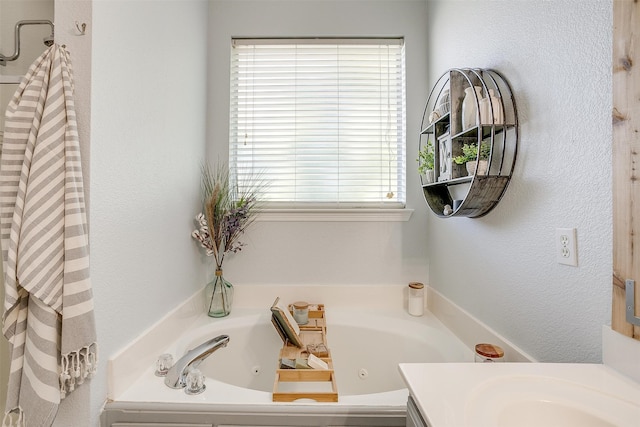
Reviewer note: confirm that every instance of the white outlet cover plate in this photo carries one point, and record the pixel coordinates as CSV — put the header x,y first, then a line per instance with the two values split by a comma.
x,y
566,246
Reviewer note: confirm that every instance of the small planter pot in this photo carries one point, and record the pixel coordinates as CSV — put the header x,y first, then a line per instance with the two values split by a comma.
x,y
482,167
428,177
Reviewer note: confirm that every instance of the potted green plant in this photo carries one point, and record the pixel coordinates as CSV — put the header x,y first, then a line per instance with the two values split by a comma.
x,y
469,157
426,162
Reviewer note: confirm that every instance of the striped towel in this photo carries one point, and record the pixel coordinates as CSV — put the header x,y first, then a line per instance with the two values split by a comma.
x,y
48,307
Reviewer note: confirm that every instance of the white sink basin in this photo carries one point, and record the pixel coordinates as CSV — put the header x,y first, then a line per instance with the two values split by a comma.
x,y
543,413
523,395
546,401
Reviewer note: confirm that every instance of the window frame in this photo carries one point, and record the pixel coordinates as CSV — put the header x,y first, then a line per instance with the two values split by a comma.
x,y
339,211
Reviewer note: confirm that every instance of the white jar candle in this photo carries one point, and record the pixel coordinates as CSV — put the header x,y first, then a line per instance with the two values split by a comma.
x,y
415,304
489,353
301,312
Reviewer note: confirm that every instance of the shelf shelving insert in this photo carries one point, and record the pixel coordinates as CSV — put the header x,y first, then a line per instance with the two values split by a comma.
x,y
482,191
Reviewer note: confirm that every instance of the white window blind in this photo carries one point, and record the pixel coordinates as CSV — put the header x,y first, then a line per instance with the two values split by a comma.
x,y
321,121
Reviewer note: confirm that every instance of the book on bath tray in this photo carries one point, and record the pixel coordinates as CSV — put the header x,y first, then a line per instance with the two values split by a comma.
x,y
286,326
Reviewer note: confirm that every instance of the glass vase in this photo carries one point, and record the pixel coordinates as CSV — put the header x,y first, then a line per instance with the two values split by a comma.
x,y
219,296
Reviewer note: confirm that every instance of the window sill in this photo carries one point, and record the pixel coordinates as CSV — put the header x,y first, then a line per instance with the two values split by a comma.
x,y
335,215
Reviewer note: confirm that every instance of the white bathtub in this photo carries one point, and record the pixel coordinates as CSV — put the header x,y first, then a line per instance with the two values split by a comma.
x,y
366,349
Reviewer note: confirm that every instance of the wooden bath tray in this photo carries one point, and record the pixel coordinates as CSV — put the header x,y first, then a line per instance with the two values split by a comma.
x,y
317,384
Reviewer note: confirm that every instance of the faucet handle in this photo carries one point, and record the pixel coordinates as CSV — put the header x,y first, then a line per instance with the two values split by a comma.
x,y
163,364
195,382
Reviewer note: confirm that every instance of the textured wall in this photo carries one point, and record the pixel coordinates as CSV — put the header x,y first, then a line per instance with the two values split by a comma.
x,y
502,268
148,124
336,253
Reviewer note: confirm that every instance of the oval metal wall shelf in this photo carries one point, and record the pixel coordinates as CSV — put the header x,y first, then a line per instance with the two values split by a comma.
x,y
496,126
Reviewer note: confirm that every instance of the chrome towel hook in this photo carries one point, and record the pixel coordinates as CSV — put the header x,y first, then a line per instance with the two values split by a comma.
x,y
82,28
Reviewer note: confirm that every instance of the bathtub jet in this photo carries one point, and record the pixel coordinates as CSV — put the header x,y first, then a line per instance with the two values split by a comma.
x,y
176,376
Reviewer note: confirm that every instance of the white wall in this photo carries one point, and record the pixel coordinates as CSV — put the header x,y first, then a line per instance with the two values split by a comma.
x,y
148,101
502,268
338,253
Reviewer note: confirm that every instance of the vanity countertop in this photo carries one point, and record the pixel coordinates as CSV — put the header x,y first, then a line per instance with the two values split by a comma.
x,y
522,394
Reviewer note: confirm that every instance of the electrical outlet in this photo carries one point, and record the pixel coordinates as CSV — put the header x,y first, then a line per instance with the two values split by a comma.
x,y
566,246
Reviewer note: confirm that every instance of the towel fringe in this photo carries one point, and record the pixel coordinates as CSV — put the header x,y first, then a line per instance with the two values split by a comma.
x,y
14,418
76,366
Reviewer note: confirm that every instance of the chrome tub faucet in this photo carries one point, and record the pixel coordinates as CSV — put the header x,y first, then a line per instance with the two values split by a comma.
x,y
177,374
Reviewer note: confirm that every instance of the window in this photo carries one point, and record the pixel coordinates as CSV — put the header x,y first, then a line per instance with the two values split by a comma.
x,y
322,121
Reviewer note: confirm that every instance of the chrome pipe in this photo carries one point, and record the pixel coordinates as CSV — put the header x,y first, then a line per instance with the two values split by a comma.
x,y
48,41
